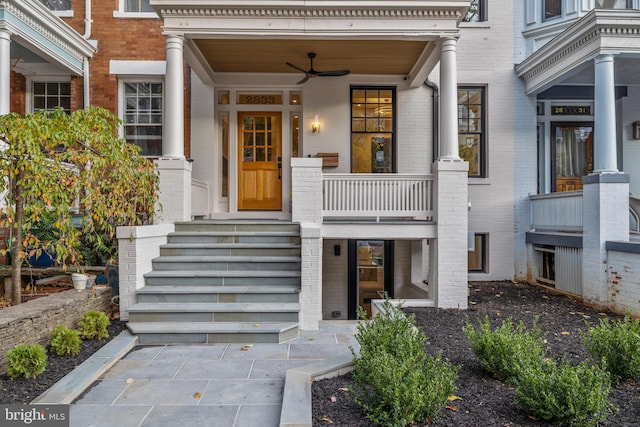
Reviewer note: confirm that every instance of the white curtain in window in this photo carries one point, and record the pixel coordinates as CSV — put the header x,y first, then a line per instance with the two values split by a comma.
x,y
571,151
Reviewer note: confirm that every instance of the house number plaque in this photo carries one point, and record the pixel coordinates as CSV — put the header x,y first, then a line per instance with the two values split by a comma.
x,y
260,99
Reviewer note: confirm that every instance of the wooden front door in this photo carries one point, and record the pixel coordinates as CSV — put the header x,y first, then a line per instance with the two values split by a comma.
x,y
260,161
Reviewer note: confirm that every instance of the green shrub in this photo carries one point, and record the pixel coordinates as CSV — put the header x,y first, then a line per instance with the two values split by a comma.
x,y
565,394
506,350
397,384
618,344
65,341
94,325
26,360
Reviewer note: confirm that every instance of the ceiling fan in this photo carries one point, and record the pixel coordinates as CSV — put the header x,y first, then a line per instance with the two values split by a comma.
x,y
314,73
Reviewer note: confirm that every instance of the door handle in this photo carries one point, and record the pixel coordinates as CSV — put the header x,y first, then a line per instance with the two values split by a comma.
x,y
279,167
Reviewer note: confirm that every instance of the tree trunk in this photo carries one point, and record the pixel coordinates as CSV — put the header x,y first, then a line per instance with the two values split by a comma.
x,y
16,244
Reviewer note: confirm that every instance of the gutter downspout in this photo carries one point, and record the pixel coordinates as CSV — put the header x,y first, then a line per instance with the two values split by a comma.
x,y
436,117
86,35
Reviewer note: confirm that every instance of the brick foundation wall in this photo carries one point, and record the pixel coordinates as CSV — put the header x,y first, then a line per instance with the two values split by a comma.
x,y
31,322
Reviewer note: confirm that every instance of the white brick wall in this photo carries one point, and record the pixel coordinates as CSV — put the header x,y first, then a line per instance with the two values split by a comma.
x,y
623,274
174,201
311,279
334,280
604,218
137,247
449,277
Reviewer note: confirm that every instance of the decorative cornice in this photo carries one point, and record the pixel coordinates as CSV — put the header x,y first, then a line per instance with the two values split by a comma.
x,y
48,26
306,12
553,57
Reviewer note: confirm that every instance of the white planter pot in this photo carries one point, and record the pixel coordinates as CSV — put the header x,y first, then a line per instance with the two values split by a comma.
x,y
79,281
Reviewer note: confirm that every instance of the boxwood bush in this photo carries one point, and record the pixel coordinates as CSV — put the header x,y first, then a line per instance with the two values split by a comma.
x,y
397,384
506,350
618,344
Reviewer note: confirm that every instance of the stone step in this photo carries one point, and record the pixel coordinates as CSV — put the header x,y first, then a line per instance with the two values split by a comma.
x,y
222,278
272,263
214,312
212,333
187,294
237,225
233,237
230,249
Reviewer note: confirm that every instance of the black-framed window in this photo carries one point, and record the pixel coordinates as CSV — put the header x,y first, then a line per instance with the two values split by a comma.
x,y
551,9
472,128
143,116
477,258
477,11
373,122
51,95
57,4
137,6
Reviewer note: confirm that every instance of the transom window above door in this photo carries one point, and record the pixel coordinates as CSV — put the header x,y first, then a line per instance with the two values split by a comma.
x,y
373,129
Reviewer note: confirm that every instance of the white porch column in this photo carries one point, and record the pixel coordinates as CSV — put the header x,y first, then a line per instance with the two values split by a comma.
x,y
605,116
5,71
306,209
448,101
173,138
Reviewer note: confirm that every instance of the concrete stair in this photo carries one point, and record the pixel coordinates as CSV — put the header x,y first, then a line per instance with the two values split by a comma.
x,y
222,282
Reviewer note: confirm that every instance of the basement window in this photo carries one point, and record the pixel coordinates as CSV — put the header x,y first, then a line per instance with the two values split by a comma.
x,y
546,264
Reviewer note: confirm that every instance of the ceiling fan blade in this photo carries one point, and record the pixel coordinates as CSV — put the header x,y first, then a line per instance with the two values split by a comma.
x,y
296,67
334,73
306,77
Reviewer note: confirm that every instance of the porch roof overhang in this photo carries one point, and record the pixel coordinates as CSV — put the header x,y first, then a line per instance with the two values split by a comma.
x,y
568,58
42,43
367,37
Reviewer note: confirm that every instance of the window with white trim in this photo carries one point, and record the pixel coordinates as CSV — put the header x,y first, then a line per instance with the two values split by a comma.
x,y
143,115
137,6
551,9
50,95
57,5
472,128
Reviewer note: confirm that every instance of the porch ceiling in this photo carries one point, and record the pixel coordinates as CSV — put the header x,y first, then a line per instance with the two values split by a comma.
x,y
568,58
270,56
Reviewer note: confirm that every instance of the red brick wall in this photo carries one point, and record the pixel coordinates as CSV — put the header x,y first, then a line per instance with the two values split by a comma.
x,y
118,39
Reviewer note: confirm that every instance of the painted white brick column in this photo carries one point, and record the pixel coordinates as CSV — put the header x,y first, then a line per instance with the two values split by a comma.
x,y
137,247
5,71
605,216
449,277
306,209
174,201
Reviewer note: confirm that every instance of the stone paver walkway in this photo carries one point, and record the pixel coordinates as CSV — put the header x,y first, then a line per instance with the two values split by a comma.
x,y
222,385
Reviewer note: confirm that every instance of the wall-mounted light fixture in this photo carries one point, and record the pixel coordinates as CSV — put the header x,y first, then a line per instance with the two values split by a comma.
x,y
315,126
636,130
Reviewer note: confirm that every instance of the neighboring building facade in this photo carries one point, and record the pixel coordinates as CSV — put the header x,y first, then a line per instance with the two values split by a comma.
x,y
419,99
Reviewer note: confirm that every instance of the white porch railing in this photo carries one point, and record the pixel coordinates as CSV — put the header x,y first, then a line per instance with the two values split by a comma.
x,y
557,211
199,198
378,195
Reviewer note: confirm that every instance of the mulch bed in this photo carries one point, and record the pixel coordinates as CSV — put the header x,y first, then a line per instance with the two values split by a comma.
x,y
23,391
485,401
